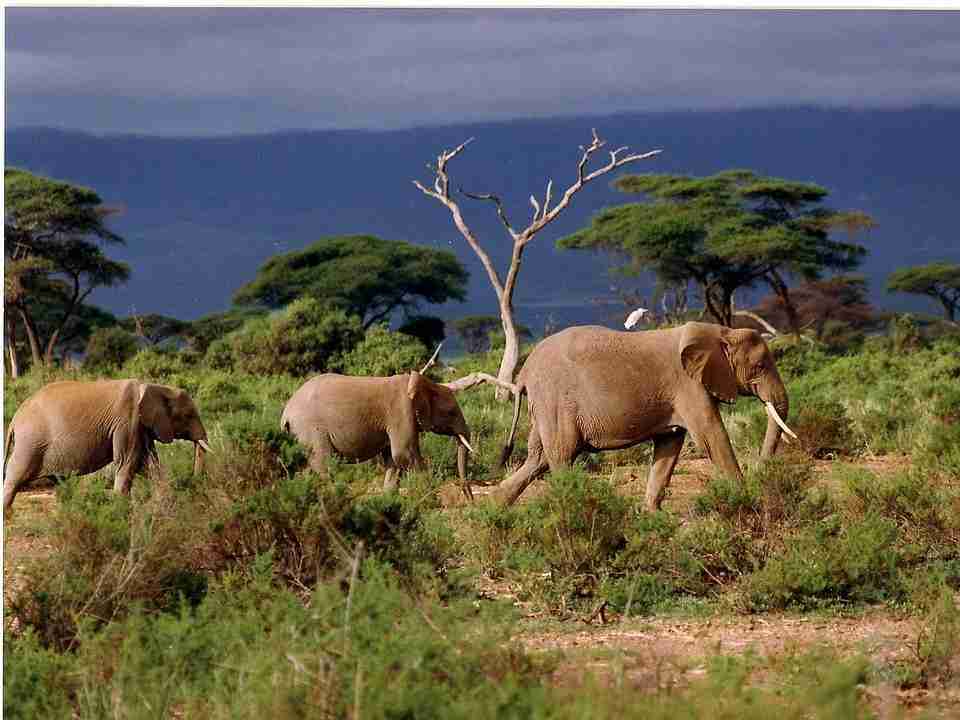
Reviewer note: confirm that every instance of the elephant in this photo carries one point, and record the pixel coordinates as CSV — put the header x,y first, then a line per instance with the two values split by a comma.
x,y
359,418
591,389
75,426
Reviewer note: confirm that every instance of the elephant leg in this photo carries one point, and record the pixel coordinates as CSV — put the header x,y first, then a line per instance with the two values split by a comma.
x,y
127,454
666,451
507,492
123,480
391,478
321,450
22,467
562,441
703,421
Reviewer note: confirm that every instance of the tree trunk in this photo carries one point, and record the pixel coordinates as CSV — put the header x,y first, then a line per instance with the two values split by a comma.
x,y
511,345
35,355
710,305
71,308
783,292
11,342
949,308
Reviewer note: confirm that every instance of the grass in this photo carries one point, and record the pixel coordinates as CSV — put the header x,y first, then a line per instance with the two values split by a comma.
x,y
259,590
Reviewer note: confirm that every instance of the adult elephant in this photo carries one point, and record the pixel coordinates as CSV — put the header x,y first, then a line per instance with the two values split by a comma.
x,y
360,418
590,389
81,427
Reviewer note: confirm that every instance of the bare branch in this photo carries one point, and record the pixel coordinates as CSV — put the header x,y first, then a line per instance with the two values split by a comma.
x,y
432,360
441,192
477,378
501,213
545,216
759,320
546,199
536,207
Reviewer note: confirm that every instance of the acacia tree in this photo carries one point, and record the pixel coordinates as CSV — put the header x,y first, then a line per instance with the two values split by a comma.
x,y
49,254
543,214
725,232
365,275
939,280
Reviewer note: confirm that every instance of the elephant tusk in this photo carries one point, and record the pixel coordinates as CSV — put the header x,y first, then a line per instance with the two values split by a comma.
x,y
463,440
772,412
205,445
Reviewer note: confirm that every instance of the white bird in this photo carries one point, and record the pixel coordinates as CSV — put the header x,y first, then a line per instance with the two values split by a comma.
x,y
635,317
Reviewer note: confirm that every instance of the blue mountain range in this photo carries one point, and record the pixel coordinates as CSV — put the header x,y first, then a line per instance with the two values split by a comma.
x,y
201,214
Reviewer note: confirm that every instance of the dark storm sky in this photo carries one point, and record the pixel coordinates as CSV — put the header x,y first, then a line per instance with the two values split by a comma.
x,y
232,70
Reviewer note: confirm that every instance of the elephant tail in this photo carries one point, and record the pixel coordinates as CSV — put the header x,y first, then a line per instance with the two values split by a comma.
x,y
508,448
285,421
7,443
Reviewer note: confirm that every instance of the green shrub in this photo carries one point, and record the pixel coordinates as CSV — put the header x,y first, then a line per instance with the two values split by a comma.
x,y
825,430
383,352
938,642
155,365
306,337
37,682
924,509
222,394
578,523
109,348
108,552
830,563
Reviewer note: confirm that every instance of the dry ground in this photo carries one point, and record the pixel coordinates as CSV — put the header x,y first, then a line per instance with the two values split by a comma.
x,y
662,652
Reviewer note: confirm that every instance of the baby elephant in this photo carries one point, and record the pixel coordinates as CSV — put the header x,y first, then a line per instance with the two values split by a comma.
x,y
358,418
81,427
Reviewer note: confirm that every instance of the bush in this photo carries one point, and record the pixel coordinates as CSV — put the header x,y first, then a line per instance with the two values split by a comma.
x,y
109,348
37,681
155,365
306,337
382,353
831,563
108,552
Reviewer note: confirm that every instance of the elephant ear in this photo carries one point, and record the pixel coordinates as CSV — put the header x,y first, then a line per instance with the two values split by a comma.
x,y
418,390
705,357
155,412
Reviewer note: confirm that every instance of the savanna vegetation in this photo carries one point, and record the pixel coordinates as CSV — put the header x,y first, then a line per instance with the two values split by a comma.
x,y
825,585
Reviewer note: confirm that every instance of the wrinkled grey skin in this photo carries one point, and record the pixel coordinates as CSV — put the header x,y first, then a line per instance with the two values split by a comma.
x,y
81,427
359,418
592,389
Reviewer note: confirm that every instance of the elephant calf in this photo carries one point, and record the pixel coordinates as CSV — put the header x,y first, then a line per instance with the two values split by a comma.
x,y
81,427
359,418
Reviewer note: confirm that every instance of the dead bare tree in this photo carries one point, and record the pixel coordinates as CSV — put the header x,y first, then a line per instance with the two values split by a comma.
x,y
543,215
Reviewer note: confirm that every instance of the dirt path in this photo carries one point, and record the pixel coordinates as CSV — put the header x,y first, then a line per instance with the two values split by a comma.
x,y
661,653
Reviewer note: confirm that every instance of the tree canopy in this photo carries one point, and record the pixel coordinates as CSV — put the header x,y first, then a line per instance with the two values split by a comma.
x,y
51,228
364,275
724,232
939,280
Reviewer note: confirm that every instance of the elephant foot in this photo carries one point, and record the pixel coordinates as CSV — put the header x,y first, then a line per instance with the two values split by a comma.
x,y
505,494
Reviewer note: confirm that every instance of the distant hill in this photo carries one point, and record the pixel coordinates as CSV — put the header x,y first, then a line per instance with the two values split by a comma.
x,y
202,214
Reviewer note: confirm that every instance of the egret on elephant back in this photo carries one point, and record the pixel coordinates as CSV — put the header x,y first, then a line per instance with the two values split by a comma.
x,y
81,427
591,389
361,418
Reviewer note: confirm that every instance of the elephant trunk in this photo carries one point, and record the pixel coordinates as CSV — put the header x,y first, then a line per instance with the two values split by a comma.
x,y
778,406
